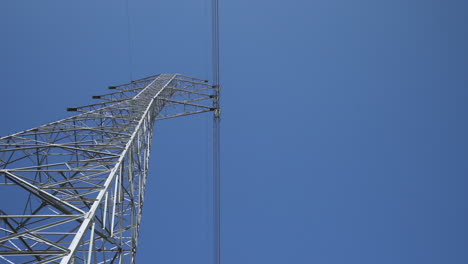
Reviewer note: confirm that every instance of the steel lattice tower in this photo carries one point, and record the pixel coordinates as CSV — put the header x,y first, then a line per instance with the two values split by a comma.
x,y
81,180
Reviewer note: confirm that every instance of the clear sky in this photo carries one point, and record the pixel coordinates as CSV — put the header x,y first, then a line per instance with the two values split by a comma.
x,y
344,122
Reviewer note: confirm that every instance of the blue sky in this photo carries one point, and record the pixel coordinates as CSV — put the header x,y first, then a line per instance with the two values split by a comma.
x,y
344,122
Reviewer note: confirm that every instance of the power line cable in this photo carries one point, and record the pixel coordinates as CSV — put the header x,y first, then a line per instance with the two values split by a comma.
x,y
129,40
216,136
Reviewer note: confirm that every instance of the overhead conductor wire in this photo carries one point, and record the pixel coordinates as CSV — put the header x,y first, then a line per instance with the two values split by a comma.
x,y
216,135
129,37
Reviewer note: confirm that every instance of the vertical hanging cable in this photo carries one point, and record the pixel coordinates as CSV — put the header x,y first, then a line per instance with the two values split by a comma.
x,y
129,37
216,136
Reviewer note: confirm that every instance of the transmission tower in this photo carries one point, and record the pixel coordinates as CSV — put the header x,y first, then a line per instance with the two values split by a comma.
x,y
80,181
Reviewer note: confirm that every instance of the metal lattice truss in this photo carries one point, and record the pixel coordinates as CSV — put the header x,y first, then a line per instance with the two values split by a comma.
x,y
72,191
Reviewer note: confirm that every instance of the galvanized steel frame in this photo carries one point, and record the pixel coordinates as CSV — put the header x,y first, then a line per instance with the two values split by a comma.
x,y
81,180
